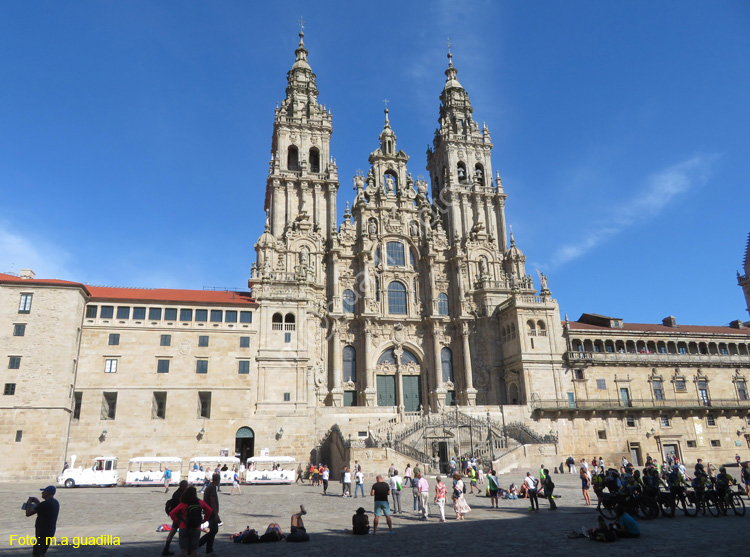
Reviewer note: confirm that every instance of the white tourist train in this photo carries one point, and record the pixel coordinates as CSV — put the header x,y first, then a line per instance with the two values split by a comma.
x,y
102,473
270,470
149,470
196,476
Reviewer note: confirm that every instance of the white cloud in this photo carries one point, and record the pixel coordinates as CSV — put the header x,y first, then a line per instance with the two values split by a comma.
x,y
21,251
661,189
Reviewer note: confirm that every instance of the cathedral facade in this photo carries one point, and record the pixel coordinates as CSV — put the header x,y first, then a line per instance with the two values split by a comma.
x,y
415,307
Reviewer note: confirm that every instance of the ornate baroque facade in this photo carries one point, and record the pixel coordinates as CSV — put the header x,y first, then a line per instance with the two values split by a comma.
x,y
417,301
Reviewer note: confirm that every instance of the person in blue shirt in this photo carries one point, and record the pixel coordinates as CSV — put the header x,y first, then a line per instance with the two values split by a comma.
x,y
626,526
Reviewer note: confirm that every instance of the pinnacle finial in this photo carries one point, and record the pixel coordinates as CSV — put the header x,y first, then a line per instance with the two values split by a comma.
x,y
449,44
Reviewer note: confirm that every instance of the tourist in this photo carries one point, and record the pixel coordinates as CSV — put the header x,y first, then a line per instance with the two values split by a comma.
x,y
346,482
424,494
235,482
299,474
531,484
325,476
494,488
190,533
211,498
585,486
473,481
626,526
549,488
440,492
395,485
407,476
46,513
359,480
380,491
415,493
460,506
171,504
360,523
297,531
167,477
570,461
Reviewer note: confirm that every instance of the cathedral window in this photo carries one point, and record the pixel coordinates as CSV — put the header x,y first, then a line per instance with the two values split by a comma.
x,y
277,322
348,301
289,322
350,364
389,357
396,298
314,160
541,329
292,158
479,173
442,304
532,328
408,358
446,361
461,171
395,252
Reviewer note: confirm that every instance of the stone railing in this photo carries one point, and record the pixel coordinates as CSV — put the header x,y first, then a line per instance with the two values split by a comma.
x,y
619,358
616,403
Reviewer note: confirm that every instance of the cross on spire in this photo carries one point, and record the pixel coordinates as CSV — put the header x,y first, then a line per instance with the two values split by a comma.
x,y
301,24
386,103
449,44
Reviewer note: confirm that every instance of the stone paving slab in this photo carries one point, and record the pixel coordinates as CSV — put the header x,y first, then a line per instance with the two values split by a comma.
x,y
133,513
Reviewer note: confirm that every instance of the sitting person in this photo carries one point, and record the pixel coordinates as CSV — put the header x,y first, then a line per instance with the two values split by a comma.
x,y
625,526
601,533
360,523
524,492
298,532
512,492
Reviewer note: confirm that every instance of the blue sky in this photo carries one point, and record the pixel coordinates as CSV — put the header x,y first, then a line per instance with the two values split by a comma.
x,y
136,136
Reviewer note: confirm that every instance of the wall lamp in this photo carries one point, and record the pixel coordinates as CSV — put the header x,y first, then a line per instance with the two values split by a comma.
x,y
650,433
201,433
279,434
103,436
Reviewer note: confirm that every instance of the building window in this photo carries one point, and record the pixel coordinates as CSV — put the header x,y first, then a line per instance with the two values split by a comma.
x,y
287,397
658,390
703,393
107,312
682,350
715,443
201,366
244,342
664,420
350,364
201,315
630,421
203,341
680,386
277,322
450,398
230,316
186,314
692,444
123,312
24,304
244,367
170,314
442,304
19,435
165,340
216,315
139,313
350,399
10,389
162,366
154,314
395,254
396,298
91,312
711,420
14,362
204,405
446,364
77,400
287,337
110,366
578,374
114,339
159,405
109,406
602,434
246,317
348,301
601,384
742,390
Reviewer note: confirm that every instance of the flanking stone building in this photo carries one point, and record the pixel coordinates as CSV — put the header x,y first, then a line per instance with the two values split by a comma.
x,y
410,330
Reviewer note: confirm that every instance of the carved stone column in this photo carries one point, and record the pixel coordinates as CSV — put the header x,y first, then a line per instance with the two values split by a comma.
x,y
337,393
370,392
470,393
437,396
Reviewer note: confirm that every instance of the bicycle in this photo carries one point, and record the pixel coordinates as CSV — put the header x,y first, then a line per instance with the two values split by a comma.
x,y
733,500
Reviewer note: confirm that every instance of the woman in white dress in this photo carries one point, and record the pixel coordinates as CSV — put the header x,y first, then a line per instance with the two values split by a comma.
x,y
460,506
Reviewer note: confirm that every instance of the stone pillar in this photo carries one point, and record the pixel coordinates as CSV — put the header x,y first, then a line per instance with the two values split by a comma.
x,y
370,391
502,231
337,393
437,396
277,214
399,387
470,393
317,200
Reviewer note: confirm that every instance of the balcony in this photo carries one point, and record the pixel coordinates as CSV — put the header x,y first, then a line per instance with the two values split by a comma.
x,y
656,359
718,405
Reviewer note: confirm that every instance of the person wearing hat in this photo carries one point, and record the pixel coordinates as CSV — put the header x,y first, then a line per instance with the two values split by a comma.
x,y
360,523
46,513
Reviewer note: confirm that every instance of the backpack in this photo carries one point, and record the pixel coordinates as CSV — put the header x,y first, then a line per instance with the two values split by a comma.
x,y
169,505
194,517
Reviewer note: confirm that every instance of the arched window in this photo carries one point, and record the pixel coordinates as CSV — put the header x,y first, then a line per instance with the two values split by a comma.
x,y
395,253
442,304
542,329
277,322
532,328
289,324
314,160
479,173
396,298
350,364
408,358
446,361
348,301
461,171
292,158
389,357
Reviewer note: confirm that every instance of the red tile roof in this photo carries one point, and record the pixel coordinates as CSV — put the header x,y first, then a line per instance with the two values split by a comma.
x,y
662,329
12,279
221,297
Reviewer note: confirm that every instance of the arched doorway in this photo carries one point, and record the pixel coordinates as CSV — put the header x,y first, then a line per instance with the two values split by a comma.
x,y
398,380
244,444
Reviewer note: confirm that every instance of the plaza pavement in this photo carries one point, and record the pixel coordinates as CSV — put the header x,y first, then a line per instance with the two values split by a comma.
x,y
133,514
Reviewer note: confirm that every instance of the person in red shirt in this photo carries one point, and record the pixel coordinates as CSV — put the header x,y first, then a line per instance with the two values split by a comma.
x,y
189,538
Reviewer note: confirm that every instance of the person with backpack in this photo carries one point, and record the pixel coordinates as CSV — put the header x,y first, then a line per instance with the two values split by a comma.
x,y
169,506
190,513
396,485
549,487
493,488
